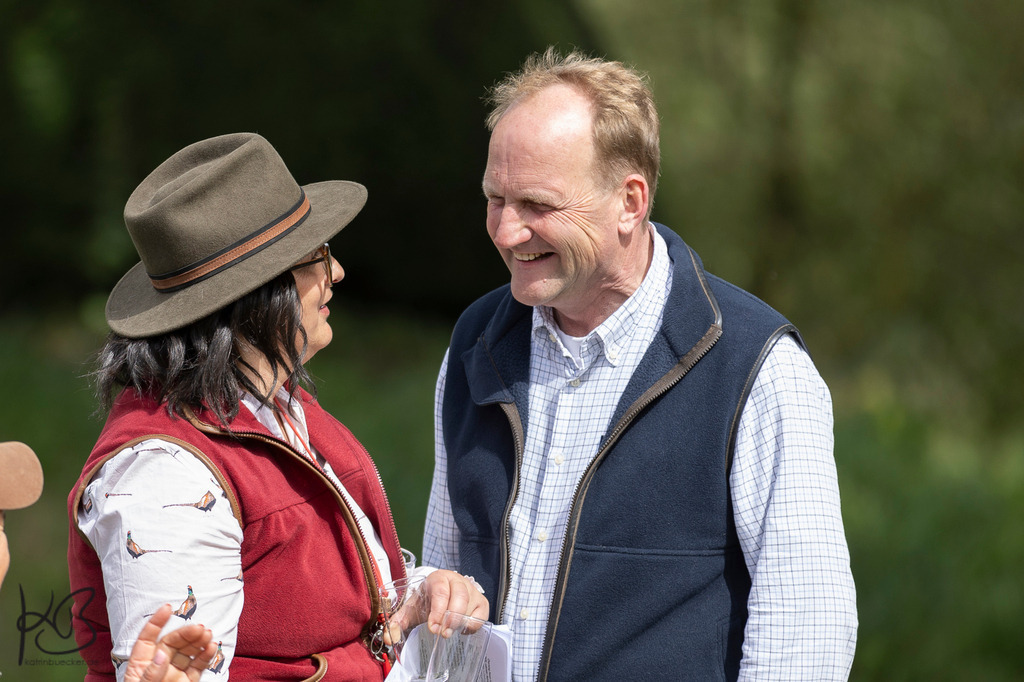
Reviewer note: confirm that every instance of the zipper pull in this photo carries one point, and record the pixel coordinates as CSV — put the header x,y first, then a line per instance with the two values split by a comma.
x,y
381,651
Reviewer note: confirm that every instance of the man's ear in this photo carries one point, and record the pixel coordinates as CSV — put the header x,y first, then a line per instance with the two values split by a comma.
x,y
636,198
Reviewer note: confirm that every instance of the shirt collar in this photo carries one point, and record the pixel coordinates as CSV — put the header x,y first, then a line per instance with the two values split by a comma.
x,y
265,415
612,334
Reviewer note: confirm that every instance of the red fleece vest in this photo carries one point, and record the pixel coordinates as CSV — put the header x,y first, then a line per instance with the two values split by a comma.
x,y
304,562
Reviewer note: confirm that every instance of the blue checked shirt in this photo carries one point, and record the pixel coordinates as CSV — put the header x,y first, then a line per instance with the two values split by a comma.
x,y
802,606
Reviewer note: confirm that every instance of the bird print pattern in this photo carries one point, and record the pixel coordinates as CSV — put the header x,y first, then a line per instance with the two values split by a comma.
x,y
204,504
136,551
170,518
188,607
238,577
223,493
218,659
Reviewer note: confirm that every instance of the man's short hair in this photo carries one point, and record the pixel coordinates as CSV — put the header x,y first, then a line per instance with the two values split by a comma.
x,y
626,124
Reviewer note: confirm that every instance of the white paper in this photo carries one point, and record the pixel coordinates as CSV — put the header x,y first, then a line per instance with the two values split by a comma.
x,y
412,666
497,665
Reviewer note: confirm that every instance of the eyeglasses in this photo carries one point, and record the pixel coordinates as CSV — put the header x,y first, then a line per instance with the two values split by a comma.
x,y
321,255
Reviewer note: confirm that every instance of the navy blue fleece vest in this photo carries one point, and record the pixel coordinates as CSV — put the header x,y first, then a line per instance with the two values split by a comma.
x,y
652,582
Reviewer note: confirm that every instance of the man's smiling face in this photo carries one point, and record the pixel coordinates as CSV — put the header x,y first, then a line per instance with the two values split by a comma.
x,y
554,225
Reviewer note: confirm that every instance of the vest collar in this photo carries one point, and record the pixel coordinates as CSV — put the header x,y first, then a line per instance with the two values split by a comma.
x,y
497,365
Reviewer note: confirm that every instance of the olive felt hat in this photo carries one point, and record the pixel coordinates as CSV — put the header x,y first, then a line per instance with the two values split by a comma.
x,y
217,220
21,477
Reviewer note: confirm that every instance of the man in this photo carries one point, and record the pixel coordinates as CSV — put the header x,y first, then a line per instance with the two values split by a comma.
x,y
634,457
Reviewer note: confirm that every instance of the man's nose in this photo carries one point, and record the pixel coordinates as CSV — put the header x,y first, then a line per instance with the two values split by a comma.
x,y
511,230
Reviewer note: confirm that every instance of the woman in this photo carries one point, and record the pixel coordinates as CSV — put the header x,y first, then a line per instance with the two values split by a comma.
x,y
218,484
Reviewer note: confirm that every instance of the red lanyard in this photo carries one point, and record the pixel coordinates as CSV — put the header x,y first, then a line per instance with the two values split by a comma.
x,y
284,413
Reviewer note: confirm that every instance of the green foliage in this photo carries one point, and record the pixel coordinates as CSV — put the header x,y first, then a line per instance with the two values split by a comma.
x,y
48,405
936,563
857,165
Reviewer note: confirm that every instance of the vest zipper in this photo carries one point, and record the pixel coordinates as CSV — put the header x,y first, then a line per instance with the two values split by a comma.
x,y
512,413
376,637
670,379
375,628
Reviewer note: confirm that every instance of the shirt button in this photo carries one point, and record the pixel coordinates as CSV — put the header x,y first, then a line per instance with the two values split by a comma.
x,y
612,354
552,336
524,614
574,383
559,460
542,536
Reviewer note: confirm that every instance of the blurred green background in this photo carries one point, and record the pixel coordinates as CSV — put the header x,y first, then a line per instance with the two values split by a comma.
x,y
857,165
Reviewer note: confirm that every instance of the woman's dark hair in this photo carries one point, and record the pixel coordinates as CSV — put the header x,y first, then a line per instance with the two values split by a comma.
x,y
202,365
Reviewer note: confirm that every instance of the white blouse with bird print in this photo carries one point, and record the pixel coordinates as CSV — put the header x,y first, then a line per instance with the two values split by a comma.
x,y
125,514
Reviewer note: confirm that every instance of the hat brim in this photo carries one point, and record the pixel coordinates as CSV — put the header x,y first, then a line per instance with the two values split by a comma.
x,y
21,476
135,309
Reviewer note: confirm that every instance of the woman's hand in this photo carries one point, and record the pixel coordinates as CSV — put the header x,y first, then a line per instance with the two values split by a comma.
x,y
450,591
180,656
